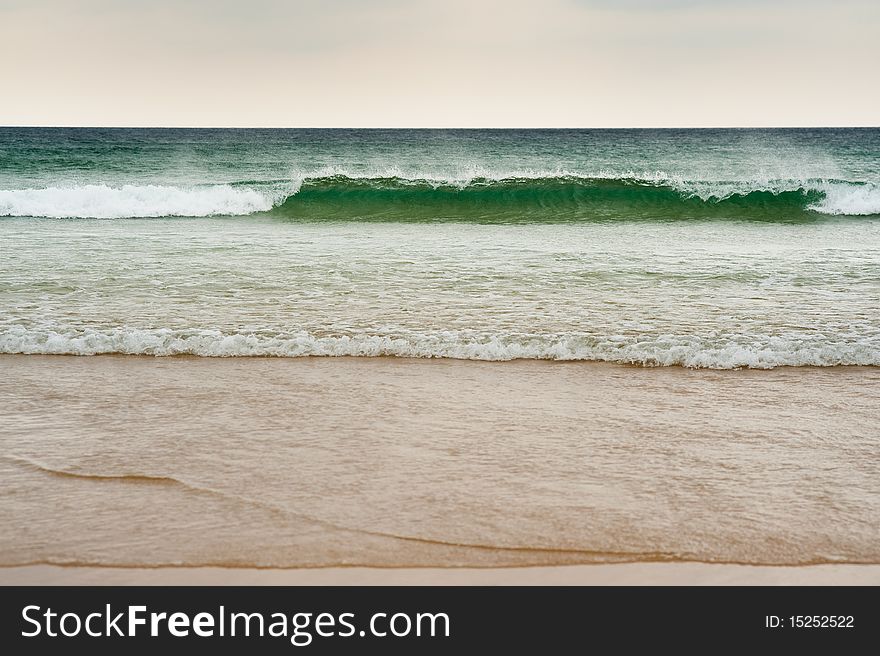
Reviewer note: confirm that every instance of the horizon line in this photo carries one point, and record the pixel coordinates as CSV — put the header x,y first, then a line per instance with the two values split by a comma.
x,y
447,127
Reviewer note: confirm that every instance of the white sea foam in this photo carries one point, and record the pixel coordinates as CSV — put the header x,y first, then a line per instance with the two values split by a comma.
x,y
661,350
852,200
131,201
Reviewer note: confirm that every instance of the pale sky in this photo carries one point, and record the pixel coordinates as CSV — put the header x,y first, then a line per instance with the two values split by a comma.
x,y
440,63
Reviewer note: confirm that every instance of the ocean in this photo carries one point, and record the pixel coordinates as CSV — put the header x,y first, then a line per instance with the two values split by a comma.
x,y
719,248
575,346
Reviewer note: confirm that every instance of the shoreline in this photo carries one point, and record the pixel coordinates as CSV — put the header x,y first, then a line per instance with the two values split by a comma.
x,y
194,357
627,574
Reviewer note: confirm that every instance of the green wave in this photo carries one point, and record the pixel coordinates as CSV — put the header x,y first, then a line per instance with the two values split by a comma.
x,y
535,200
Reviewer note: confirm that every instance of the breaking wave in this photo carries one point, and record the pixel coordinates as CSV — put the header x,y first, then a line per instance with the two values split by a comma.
x,y
760,352
134,201
523,196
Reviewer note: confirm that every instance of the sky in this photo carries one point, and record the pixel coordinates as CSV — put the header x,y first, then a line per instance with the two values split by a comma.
x,y
440,63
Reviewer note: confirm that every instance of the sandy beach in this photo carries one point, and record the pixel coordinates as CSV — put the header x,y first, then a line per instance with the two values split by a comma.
x,y
380,470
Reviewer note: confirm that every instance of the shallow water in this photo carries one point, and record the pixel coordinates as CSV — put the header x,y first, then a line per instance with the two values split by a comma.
x,y
707,295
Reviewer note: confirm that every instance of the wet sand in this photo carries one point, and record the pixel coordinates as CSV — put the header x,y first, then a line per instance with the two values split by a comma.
x,y
348,470
621,574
